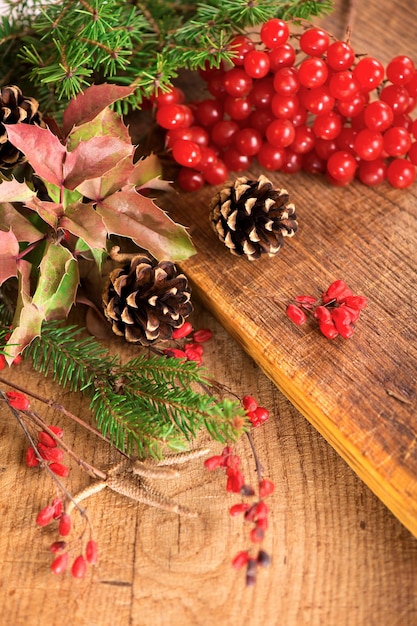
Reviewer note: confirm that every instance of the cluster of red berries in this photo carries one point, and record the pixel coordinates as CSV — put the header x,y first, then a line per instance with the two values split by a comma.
x,y
255,512
192,350
257,415
48,451
55,511
336,311
318,107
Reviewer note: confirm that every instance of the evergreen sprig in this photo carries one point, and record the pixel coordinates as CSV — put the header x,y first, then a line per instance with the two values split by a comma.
x,y
143,406
62,47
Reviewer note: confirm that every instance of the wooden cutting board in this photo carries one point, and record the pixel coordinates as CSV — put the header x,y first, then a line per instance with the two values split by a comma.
x,y
359,393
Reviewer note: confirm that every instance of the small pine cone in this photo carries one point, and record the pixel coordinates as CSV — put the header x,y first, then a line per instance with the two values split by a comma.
x,y
15,108
252,218
146,301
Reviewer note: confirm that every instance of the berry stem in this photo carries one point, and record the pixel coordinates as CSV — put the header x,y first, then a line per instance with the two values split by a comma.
x,y
258,466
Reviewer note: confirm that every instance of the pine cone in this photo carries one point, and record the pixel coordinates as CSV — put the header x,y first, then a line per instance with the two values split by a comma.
x,y
252,218
15,108
145,302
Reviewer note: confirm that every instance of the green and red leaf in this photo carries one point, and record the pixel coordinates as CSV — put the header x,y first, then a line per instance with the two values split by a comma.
x,y
83,221
9,249
92,159
88,104
23,229
42,148
129,214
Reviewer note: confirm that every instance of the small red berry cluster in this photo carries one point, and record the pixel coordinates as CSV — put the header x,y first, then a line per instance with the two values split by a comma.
x,y
257,415
318,107
47,451
55,511
336,311
192,350
255,512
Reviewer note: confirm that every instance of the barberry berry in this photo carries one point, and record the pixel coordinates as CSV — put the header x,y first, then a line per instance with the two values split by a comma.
x,y
18,400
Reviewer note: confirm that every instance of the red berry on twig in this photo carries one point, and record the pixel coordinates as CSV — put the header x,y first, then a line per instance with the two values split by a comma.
x,y
79,567
60,564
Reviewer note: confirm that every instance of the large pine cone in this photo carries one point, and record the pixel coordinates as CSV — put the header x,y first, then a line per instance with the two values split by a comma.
x,y
15,108
252,218
145,302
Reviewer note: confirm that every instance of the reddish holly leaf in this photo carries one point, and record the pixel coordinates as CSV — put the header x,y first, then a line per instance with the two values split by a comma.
x,y
20,225
9,249
43,150
114,180
13,191
83,221
50,212
130,214
88,104
93,158
106,124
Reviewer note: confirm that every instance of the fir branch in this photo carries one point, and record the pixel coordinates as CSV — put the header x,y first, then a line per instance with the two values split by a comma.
x,y
143,406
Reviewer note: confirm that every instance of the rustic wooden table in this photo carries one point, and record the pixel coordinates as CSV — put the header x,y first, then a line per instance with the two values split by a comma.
x,y
339,555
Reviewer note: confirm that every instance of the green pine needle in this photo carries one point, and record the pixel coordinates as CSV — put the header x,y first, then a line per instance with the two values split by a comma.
x,y
144,406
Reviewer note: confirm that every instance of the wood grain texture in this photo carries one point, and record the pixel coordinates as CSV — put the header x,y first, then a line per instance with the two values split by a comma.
x,y
360,394
339,556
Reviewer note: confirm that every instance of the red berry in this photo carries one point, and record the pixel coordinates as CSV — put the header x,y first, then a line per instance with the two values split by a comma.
x,y
91,552
274,33
240,560
286,81
202,335
296,314
248,141
237,83
257,534
283,56
342,166
397,97
237,108
258,416
223,132
172,116
196,347
18,400
79,567
372,172
186,153
327,125
193,355
241,45
58,507
249,403
217,173
266,487
369,73
183,331
401,173
280,133
60,564
214,462
31,459
59,469
256,64
336,291
368,144
328,329
45,515
174,96
314,41
323,314
340,56
313,72
57,546
64,527
46,439
397,141
305,300
174,353
51,454
400,70
235,160
270,157
189,179
378,115
237,509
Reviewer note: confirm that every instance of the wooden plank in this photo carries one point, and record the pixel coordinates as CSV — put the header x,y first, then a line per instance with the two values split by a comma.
x,y
361,393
